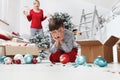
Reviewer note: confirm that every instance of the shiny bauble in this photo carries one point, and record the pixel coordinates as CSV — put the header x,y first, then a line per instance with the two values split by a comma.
x,y
101,62
19,56
28,58
13,60
80,60
18,61
34,60
64,58
2,59
8,60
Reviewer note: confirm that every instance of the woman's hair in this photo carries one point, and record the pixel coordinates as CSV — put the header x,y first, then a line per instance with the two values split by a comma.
x,y
55,24
37,1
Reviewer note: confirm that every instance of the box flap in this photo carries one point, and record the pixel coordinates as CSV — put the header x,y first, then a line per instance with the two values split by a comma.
x,y
89,43
111,41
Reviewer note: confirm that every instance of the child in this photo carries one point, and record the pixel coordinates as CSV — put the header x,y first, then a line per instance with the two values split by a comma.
x,y
62,41
36,17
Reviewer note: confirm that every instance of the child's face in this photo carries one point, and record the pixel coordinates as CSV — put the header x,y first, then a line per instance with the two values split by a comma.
x,y
36,4
58,34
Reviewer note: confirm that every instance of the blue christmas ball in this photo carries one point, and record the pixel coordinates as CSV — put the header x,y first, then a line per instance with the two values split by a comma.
x,y
28,58
101,62
2,59
80,60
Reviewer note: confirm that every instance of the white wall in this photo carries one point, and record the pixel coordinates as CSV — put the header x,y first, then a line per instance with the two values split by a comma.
x,y
19,23
73,8
12,16
113,27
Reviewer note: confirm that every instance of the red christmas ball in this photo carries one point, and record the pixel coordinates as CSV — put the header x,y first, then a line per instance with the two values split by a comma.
x,y
18,61
34,60
13,61
64,58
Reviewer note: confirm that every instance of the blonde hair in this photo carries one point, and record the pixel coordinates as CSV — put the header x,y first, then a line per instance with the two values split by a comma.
x,y
37,1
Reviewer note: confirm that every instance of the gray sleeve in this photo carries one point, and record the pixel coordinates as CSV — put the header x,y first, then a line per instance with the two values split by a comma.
x,y
53,49
68,44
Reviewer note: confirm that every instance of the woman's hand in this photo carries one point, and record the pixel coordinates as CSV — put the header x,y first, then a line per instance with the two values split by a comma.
x,y
49,15
26,13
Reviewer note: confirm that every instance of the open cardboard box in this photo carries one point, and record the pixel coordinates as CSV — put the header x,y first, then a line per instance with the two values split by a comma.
x,y
118,51
94,48
13,50
118,55
2,50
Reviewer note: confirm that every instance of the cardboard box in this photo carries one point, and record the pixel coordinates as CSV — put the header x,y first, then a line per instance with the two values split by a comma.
x,y
118,51
2,50
118,55
94,48
12,50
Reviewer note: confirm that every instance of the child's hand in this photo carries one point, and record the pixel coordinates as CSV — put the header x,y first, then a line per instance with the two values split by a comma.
x,y
61,36
55,37
61,40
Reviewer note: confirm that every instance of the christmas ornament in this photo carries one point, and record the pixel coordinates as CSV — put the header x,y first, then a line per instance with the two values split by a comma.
x,y
8,60
18,61
80,60
28,58
13,60
20,57
2,59
101,62
34,61
64,58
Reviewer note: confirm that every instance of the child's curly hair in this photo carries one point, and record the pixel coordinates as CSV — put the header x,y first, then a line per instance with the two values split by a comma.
x,y
55,24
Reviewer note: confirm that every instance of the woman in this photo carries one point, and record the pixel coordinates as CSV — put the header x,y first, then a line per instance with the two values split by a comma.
x,y
36,17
